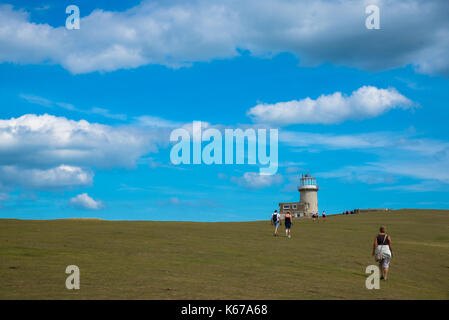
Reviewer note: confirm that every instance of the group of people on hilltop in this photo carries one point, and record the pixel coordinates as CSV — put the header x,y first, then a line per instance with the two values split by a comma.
x,y
316,215
382,250
288,221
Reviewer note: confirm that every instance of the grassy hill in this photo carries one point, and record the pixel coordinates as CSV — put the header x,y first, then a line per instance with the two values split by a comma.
x,y
241,260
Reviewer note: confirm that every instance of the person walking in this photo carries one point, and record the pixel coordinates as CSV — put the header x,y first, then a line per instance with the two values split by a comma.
x,y
288,224
382,251
324,215
275,220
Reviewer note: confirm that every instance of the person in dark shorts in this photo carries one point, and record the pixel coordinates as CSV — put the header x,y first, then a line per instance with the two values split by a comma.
x,y
324,215
288,220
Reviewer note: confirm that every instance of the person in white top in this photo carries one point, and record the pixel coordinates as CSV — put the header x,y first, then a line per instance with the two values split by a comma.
x,y
275,220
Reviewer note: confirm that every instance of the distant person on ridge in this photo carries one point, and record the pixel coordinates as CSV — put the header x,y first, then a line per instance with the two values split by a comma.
x,y
324,215
288,224
382,251
275,219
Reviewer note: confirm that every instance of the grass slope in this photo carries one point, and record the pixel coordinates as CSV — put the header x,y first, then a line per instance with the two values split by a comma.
x,y
241,260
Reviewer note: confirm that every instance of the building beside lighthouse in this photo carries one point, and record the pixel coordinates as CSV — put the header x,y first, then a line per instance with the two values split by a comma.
x,y
308,199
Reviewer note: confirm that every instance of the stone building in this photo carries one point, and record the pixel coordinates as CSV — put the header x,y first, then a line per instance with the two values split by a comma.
x,y
308,199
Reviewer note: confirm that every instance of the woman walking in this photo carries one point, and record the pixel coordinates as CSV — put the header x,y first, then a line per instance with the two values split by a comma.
x,y
383,251
288,224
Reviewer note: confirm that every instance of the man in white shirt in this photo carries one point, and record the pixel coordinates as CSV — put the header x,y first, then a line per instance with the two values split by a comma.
x,y
275,219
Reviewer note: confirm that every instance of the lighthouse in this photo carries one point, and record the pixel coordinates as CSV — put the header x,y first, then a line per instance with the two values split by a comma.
x,y
308,198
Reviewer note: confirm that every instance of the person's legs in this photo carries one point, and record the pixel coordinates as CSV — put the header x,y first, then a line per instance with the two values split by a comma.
x,y
385,266
381,268
385,273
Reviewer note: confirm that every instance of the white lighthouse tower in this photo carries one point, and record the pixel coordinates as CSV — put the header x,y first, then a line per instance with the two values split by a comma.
x,y
308,190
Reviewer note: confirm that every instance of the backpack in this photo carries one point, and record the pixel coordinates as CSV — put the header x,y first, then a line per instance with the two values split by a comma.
x,y
275,218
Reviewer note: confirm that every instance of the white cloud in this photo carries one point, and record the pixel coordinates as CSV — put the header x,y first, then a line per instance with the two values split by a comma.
x,y
366,102
83,201
424,186
46,140
424,169
369,174
45,151
384,157
106,113
31,98
373,142
157,122
62,176
177,33
67,106
431,174
254,180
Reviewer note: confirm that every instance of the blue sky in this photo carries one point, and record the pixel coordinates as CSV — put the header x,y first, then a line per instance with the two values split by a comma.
x,y
86,114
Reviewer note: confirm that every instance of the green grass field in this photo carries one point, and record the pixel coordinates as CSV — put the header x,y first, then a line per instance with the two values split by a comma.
x,y
241,260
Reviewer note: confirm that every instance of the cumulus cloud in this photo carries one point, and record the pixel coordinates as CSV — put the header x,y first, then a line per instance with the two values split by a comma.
x,y
46,140
44,151
366,102
178,33
83,201
254,180
59,177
